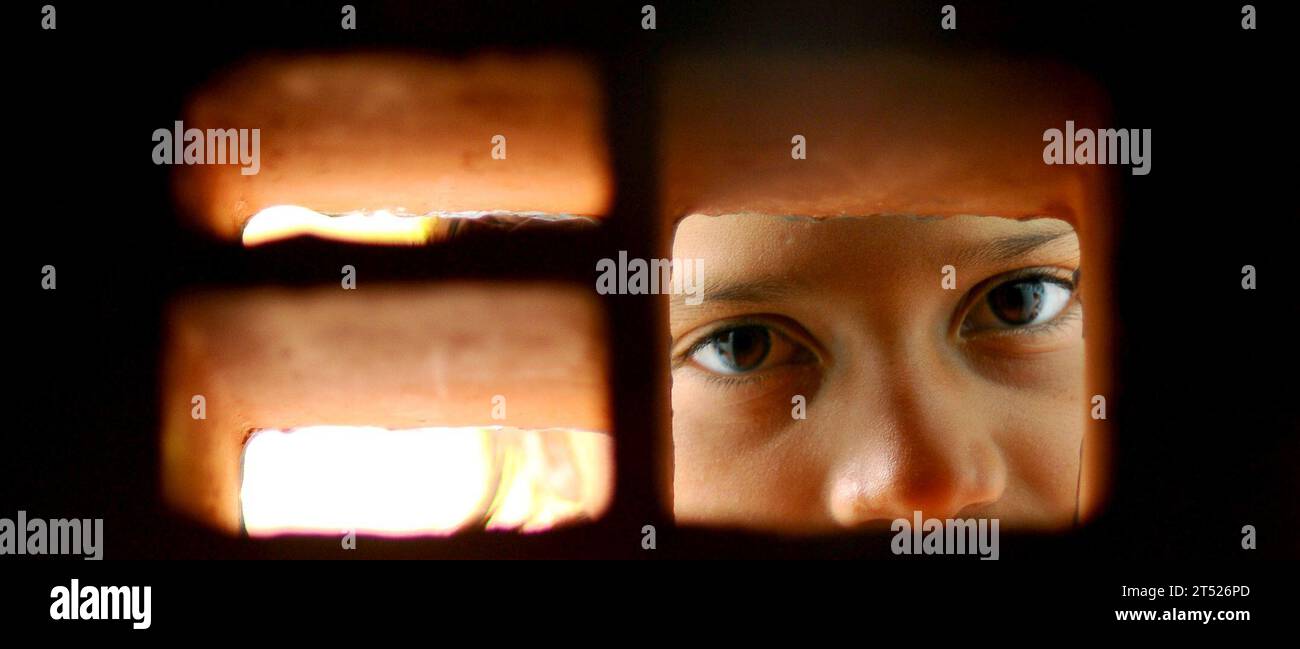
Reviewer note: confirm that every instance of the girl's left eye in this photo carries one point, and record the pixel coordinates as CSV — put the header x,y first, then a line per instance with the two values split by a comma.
x,y
1021,302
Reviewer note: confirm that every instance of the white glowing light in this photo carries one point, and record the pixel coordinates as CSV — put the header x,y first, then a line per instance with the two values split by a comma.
x,y
378,226
332,479
381,226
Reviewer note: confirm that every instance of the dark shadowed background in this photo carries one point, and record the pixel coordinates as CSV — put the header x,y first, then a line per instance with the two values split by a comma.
x,y
1205,412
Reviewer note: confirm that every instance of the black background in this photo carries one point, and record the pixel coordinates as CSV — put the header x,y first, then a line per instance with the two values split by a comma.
x,y
1205,410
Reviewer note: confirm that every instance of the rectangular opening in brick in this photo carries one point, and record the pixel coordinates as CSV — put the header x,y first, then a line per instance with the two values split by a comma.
x,y
389,148
404,409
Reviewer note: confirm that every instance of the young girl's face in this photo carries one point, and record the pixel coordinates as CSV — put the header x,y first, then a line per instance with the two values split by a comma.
x,y
846,371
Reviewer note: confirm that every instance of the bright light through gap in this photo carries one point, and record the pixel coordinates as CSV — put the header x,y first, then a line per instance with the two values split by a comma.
x,y
422,481
280,222
381,226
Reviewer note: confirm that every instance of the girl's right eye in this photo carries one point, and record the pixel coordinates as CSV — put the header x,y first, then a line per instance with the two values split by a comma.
x,y
734,351
745,349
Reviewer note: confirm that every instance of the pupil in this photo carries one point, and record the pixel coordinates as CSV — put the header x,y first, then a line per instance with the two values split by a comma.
x,y
743,348
1017,303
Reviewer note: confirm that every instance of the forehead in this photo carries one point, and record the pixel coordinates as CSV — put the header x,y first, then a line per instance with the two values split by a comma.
x,y
884,132
742,245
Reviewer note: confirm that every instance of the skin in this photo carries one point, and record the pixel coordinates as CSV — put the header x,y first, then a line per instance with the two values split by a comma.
x,y
918,398
903,412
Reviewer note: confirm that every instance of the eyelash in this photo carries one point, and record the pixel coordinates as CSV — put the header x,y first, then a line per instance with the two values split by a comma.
x,y
728,380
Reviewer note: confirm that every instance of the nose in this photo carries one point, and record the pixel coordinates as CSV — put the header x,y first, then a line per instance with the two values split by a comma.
x,y
926,453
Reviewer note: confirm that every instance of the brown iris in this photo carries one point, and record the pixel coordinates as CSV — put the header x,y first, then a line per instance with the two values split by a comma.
x,y
1019,302
742,349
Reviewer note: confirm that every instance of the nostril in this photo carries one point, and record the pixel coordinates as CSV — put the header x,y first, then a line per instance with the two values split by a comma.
x,y
879,493
950,485
861,499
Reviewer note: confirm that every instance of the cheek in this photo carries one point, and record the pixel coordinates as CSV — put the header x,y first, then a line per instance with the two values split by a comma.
x,y
744,414
1035,413
1040,440
1056,375
726,470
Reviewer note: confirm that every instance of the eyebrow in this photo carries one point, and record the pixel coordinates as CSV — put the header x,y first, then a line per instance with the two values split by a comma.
x,y
1011,247
744,291
762,290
